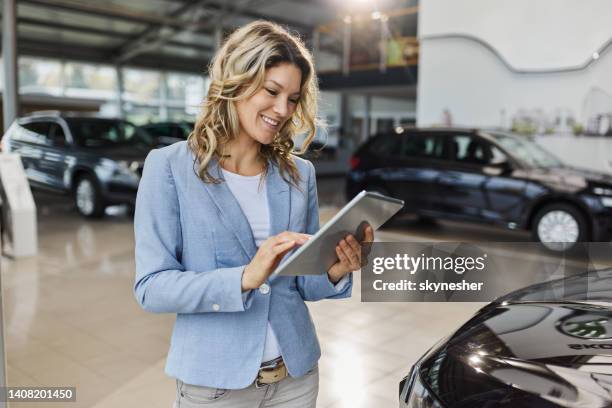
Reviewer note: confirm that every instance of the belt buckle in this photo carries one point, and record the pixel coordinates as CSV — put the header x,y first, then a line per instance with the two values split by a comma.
x,y
272,365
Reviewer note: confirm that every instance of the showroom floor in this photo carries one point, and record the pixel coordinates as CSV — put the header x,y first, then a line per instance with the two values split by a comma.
x,y
71,320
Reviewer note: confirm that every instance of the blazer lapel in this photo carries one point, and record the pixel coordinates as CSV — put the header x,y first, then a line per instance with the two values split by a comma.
x,y
231,213
279,200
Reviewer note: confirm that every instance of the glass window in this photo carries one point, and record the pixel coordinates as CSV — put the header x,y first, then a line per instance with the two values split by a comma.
x,y
384,125
473,150
35,132
93,133
159,130
40,75
141,85
424,146
386,145
141,115
88,76
56,135
526,150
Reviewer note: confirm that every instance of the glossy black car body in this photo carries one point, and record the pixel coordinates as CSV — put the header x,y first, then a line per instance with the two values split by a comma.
x,y
482,176
166,133
97,160
532,348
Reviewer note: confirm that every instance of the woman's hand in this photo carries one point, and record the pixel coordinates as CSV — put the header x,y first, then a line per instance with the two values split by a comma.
x,y
349,255
268,257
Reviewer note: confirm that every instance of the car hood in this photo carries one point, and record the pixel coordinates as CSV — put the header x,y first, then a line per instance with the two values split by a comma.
x,y
548,352
570,179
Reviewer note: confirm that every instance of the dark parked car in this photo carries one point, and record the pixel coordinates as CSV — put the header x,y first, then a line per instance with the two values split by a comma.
x,y
166,133
532,348
486,176
97,160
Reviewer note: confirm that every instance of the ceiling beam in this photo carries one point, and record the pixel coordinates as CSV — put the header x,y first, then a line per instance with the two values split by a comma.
x,y
103,9
154,37
297,24
35,22
97,55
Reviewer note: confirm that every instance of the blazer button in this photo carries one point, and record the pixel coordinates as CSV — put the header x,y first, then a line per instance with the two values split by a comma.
x,y
216,307
264,289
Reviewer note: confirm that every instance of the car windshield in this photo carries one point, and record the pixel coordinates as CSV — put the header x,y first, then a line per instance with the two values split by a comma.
x,y
527,151
93,133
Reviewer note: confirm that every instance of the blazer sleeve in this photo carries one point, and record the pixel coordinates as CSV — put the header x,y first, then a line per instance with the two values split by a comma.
x,y
162,284
317,287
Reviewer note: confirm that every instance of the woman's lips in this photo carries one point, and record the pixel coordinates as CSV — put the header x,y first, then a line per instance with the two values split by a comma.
x,y
270,123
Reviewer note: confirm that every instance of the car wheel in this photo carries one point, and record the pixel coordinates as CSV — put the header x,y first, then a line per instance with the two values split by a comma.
x,y
559,227
88,198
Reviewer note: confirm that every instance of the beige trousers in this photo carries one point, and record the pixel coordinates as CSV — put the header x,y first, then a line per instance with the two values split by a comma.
x,y
290,392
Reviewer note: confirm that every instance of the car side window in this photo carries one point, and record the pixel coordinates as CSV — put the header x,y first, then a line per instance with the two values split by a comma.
x,y
36,132
56,135
422,146
159,130
498,157
387,145
473,150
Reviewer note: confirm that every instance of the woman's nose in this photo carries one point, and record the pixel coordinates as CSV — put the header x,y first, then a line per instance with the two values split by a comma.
x,y
281,107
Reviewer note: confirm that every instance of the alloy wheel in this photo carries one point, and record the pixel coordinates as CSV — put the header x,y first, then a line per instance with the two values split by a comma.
x,y
558,227
85,197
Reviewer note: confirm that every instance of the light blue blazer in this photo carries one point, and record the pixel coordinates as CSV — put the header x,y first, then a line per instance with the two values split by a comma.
x,y
192,244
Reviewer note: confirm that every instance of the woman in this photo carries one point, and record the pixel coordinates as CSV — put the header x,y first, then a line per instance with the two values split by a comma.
x,y
214,217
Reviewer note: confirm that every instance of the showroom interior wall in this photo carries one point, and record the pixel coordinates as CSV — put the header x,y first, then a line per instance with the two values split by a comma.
x,y
528,61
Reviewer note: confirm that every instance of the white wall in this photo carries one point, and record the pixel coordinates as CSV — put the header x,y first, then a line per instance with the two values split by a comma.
x,y
471,82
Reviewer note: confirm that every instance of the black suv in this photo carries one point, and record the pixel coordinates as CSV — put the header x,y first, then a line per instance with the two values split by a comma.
x,y
486,176
97,160
166,133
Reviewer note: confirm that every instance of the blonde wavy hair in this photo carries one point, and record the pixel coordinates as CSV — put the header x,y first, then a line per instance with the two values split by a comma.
x,y
237,72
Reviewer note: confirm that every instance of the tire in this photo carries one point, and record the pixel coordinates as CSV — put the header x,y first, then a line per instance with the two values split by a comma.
x,y
559,227
88,197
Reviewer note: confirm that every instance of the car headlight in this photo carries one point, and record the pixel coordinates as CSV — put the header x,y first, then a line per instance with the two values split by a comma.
x,y
606,201
418,395
119,168
602,191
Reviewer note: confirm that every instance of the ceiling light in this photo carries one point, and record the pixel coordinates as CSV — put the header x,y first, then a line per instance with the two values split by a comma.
x,y
595,55
347,20
375,15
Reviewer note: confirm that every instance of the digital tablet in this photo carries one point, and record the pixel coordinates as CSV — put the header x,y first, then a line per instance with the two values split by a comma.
x,y
318,254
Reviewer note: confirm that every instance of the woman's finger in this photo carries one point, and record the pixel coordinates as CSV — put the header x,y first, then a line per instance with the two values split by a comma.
x,y
282,247
352,241
295,236
341,256
369,234
352,256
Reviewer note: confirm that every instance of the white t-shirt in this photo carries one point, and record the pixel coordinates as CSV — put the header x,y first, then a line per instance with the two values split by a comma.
x,y
250,192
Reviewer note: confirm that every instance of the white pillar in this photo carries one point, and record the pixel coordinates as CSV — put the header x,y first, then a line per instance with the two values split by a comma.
x,y
10,96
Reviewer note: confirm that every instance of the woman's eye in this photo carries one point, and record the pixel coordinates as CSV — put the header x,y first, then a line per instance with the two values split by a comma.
x,y
271,92
294,101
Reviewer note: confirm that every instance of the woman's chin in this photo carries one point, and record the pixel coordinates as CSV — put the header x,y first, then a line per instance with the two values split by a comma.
x,y
265,139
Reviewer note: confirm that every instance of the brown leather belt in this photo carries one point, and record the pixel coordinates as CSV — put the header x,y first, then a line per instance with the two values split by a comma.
x,y
271,372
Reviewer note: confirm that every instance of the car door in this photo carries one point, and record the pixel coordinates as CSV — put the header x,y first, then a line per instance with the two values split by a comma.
x,y
56,156
410,169
29,143
478,184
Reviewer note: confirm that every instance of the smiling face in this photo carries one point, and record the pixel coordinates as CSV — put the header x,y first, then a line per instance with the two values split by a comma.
x,y
263,114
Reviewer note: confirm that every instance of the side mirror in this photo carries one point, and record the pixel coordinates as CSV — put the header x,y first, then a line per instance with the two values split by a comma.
x,y
498,169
